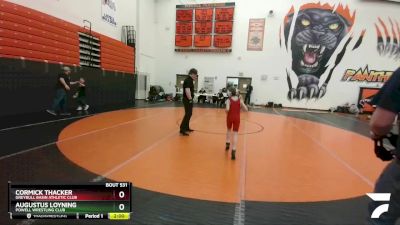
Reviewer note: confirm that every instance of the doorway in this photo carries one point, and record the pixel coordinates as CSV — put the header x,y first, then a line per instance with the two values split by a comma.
x,y
179,83
240,83
141,85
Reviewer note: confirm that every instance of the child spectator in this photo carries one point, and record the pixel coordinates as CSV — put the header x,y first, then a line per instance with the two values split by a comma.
x,y
80,95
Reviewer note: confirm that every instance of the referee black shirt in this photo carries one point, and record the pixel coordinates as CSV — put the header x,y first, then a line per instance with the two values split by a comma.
x,y
388,98
188,83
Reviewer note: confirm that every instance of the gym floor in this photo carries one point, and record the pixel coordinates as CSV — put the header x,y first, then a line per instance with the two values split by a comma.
x,y
292,167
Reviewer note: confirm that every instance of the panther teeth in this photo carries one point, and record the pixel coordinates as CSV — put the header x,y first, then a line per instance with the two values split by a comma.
x,y
314,47
308,66
322,49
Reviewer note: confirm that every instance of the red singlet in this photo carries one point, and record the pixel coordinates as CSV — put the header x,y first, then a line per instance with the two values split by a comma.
x,y
233,118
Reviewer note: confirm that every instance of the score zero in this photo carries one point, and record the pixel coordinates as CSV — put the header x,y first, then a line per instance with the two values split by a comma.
x,y
121,194
116,184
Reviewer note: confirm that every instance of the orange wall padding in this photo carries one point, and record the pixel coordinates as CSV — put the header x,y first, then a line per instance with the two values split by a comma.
x,y
115,55
37,36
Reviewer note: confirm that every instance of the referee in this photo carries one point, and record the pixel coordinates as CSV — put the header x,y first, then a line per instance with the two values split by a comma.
x,y
387,101
188,94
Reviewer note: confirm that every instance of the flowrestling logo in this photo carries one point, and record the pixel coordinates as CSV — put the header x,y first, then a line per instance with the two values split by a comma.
x,y
379,197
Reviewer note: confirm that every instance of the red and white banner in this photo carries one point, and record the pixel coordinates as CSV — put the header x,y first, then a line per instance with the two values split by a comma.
x,y
256,35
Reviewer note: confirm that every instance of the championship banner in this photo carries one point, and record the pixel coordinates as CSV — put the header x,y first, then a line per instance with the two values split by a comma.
x,y
204,27
183,40
223,41
184,15
184,28
204,14
223,27
108,11
256,35
224,14
202,41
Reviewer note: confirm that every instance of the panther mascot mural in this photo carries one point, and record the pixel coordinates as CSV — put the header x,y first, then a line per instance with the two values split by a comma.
x,y
315,36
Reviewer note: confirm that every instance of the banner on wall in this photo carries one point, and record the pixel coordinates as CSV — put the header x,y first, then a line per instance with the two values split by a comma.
x,y
365,96
109,11
208,84
256,35
204,27
202,41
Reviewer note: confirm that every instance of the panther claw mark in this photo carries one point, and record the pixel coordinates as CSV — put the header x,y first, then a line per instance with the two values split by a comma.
x,y
302,92
292,94
313,90
307,92
322,91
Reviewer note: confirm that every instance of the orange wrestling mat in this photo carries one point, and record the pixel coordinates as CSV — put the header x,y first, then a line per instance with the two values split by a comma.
x,y
279,159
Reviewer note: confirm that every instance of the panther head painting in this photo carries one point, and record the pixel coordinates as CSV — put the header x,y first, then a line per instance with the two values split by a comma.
x,y
317,32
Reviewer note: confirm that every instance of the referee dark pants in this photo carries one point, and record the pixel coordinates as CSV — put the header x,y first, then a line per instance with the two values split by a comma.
x,y
188,114
247,99
388,182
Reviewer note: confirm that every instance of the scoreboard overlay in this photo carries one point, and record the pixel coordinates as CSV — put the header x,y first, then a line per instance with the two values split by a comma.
x,y
111,201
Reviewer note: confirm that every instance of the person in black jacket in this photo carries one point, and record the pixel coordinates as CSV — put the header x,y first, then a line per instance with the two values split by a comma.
x,y
188,94
63,86
220,99
387,102
202,98
249,89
